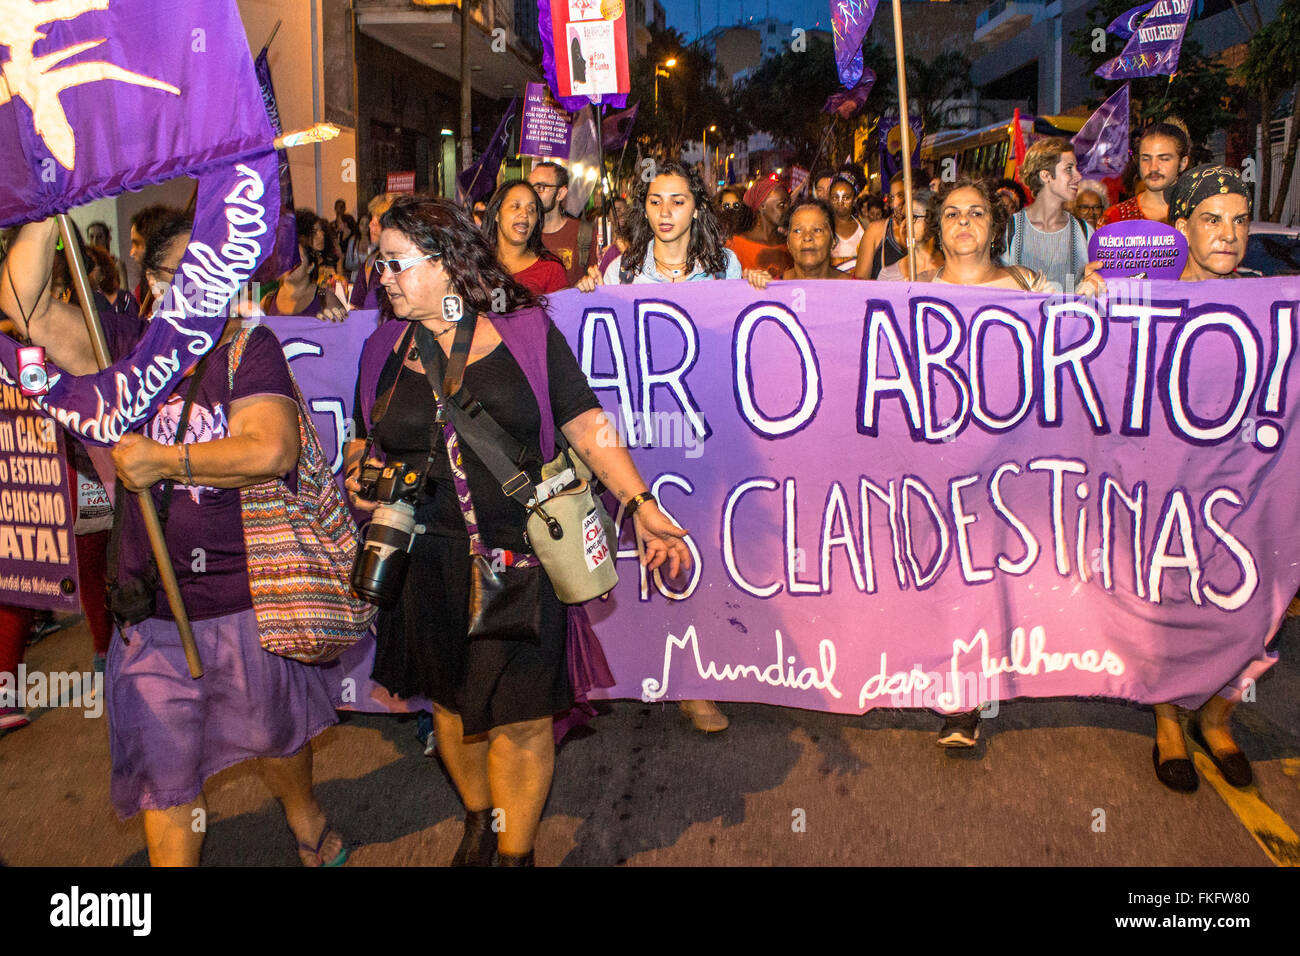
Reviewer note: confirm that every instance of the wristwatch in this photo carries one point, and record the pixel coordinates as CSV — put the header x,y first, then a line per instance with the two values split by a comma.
x,y
637,502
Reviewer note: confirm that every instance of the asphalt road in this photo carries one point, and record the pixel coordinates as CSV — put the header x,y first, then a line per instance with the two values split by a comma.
x,y
1052,782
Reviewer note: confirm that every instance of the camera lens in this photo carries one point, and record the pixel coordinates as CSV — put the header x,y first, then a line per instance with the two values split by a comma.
x,y
382,560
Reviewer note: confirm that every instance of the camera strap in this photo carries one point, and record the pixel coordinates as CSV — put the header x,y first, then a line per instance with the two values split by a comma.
x,y
119,496
504,456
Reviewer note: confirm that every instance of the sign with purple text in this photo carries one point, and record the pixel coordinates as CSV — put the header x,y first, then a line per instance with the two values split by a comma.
x,y
545,128
933,496
1138,249
38,557
109,95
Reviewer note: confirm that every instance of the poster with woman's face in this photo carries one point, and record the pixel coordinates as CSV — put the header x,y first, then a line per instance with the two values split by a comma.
x,y
591,57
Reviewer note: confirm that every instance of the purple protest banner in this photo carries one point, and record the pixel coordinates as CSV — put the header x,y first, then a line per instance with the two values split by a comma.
x,y
890,135
850,20
1153,49
930,495
1101,145
1126,24
544,130
38,556
183,100
1138,249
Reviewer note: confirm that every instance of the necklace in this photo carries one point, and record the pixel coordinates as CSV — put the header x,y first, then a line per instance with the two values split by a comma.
x,y
668,266
414,354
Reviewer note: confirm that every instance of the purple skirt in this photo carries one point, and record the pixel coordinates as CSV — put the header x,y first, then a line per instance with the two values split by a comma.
x,y
168,732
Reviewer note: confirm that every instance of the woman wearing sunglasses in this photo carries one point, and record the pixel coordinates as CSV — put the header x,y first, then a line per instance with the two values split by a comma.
x,y
733,215
512,226
493,699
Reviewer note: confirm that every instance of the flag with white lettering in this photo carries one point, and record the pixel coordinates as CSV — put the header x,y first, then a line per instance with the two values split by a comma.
x,y
1154,48
102,96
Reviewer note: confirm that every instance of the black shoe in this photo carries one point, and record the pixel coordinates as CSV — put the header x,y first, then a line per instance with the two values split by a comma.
x,y
960,730
1234,766
524,859
1177,774
479,844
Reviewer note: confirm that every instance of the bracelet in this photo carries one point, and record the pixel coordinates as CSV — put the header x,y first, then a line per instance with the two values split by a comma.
x,y
185,463
637,502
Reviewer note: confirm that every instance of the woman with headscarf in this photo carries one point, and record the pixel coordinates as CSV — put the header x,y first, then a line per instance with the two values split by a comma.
x,y
1210,206
763,245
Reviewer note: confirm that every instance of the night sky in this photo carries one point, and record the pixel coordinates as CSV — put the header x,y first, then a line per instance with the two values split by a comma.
x,y
806,13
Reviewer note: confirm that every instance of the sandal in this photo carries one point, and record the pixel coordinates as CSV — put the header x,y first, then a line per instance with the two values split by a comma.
x,y
314,851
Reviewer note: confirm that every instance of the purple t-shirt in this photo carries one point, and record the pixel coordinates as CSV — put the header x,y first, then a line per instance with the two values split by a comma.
x,y
204,529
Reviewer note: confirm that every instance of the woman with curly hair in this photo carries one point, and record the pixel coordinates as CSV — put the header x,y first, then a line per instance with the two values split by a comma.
x,y
971,226
512,226
494,697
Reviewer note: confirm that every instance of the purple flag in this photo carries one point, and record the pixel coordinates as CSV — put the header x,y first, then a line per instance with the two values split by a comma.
x,y
104,100
1101,146
284,257
1126,24
1154,48
616,128
157,89
851,102
478,181
850,20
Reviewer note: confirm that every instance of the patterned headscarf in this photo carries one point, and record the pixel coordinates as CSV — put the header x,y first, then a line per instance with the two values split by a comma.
x,y
1197,185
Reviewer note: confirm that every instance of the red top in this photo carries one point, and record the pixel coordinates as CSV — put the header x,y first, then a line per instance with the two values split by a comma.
x,y
1122,212
775,259
543,277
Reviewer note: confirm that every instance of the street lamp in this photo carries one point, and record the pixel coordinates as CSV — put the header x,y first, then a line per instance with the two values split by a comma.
x,y
705,150
670,62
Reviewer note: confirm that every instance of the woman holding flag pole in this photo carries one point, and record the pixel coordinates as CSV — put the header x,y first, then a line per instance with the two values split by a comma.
x,y
168,732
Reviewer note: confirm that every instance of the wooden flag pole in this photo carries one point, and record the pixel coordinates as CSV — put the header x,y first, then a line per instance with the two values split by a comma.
x,y
153,527
905,126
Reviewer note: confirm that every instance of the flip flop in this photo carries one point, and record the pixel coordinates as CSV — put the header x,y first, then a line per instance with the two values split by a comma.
x,y
315,851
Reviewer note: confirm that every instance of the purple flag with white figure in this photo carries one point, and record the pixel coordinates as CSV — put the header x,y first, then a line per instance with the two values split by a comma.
x,y
1154,48
851,102
102,96
1126,24
1101,146
850,20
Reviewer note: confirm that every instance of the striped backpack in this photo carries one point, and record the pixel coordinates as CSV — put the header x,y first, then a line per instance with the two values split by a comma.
x,y
300,549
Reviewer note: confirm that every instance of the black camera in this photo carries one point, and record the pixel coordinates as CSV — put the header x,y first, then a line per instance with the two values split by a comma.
x,y
133,600
383,557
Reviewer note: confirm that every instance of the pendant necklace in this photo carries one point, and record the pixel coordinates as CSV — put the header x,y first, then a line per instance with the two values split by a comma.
x,y
414,354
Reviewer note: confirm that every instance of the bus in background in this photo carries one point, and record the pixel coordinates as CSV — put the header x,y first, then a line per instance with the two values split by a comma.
x,y
987,151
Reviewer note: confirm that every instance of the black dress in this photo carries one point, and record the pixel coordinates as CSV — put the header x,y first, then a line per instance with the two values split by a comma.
x,y
423,648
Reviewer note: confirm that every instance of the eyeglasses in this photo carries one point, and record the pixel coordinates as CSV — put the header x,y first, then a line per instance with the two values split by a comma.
x,y
540,186
401,265
731,205
1086,207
